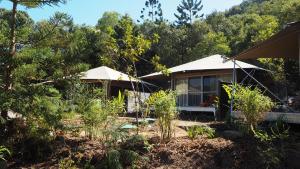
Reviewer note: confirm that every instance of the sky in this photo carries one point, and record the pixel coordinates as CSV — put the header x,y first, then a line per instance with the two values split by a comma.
x,y
89,11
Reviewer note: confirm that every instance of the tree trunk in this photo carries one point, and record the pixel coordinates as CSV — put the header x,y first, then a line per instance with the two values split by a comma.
x,y
12,53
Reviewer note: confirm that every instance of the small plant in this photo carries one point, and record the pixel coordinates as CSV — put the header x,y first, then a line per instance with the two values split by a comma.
x,y
250,102
3,152
195,131
67,163
164,105
272,148
192,132
137,143
113,160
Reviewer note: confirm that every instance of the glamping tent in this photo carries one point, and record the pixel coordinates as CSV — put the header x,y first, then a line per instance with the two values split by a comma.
x,y
111,80
285,44
198,83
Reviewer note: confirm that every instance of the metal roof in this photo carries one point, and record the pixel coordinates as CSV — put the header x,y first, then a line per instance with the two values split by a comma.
x,y
214,62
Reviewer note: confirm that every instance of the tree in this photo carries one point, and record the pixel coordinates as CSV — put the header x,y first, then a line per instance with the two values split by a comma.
x,y
152,11
212,43
12,41
108,21
124,48
188,10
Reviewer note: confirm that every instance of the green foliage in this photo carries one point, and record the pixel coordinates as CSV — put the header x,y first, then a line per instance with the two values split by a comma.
x,y
3,152
164,106
113,160
67,163
188,10
276,65
250,102
194,131
108,21
97,112
152,11
129,157
272,148
137,143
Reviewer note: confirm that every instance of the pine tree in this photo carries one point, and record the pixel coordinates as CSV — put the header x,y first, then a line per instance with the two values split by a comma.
x,y
12,50
188,10
152,11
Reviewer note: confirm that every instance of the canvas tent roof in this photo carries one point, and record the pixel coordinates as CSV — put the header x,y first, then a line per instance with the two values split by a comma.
x,y
214,62
284,44
106,73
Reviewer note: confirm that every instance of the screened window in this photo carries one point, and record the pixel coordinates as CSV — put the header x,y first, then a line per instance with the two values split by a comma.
x,y
182,90
195,91
209,90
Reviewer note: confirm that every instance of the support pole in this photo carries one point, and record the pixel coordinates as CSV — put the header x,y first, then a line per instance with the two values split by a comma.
x,y
233,89
299,52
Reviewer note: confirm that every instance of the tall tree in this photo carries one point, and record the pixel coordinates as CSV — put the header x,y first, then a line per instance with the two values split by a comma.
x,y
12,41
108,21
152,11
188,11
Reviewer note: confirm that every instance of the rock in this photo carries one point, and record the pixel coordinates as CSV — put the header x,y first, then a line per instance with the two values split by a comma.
x,y
232,134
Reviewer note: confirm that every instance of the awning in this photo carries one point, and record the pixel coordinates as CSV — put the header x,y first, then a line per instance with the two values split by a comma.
x,y
284,44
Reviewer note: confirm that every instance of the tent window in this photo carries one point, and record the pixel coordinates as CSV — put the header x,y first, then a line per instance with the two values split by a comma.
x,y
181,89
195,91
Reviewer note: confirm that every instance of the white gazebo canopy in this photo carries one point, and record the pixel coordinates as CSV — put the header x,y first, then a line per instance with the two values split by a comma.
x,y
106,73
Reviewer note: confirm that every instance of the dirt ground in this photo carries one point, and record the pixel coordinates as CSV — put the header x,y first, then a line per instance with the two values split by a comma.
x,y
221,152
180,152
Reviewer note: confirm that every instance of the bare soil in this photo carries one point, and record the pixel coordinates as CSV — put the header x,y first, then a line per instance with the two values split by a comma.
x,y
180,152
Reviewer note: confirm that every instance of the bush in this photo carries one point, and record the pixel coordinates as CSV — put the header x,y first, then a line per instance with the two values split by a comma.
x,y
195,131
113,160
34,149
164,105
97,112
136,143
67,163
250,102
3,152
272,146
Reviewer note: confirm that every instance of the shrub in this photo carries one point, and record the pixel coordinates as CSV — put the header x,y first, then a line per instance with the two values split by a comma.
x,y
97,112
272,147
3,152
137,143
128,157
164,105
250,102
34,149
113,160
195,131
67,163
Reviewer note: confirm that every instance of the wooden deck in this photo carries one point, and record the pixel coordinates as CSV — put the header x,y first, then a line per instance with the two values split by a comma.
x,y
198,109
272,116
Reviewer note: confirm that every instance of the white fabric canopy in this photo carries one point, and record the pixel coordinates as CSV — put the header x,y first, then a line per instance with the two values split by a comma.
x,y
214,62
106,73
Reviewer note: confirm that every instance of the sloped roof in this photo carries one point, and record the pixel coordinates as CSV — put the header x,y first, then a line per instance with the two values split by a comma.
x,y
106,73
284,44
214,62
